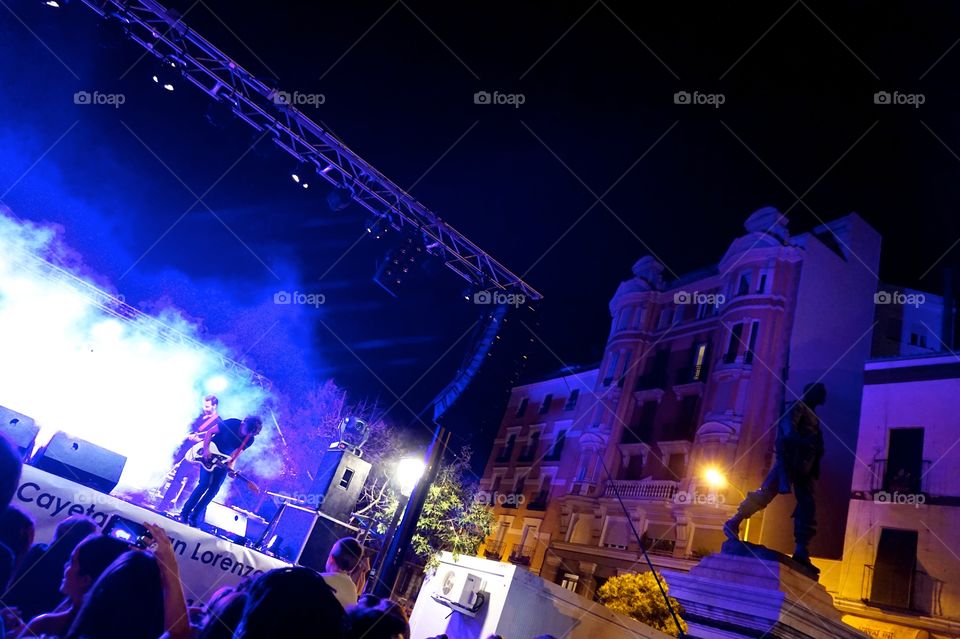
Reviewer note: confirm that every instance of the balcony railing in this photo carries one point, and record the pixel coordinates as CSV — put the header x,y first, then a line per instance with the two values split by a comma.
x,y
679,430
505,454
658,546
922,594
493,550
648,381
509,500
522,556
539,502
885,479
649,490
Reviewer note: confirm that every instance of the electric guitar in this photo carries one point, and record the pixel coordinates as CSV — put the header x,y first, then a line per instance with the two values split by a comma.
x,y
216,459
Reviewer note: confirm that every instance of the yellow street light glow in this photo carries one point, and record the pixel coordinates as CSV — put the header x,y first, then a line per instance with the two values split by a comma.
x,y
715,478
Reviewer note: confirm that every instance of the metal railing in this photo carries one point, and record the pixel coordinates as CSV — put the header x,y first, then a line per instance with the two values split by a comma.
x,y
883,478
652,490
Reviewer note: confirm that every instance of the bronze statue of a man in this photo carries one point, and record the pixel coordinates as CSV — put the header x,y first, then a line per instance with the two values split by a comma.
x,y
799,449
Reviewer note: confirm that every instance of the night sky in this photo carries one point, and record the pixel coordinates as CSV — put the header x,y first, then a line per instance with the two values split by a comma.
x,y
598,167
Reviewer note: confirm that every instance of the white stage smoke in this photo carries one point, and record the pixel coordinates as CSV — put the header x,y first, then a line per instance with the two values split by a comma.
x,y
73,367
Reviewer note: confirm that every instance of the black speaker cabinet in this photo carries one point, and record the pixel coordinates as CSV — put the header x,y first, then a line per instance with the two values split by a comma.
x,y
81,462
326,531
19,429
338,483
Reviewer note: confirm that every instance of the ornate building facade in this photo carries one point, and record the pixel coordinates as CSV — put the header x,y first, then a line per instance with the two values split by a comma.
x,y
694,375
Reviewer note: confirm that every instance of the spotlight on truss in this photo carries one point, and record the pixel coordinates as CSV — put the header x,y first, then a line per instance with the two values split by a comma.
x,y
300,174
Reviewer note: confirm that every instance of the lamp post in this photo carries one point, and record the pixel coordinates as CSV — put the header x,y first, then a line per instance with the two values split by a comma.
x,y
717,480
408,472
399,540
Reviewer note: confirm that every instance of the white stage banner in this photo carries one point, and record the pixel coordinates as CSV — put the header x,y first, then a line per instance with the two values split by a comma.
x,y
206,562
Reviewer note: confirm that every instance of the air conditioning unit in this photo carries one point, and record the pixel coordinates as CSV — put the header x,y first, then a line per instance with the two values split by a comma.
x,y
460,591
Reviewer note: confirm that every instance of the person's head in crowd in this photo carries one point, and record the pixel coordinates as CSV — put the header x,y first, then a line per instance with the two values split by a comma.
x,y
368,601
385,606
77,527
345,555
89,560
223,615
7,561
375,623
10,467
36,584
126,598
16,531
291,603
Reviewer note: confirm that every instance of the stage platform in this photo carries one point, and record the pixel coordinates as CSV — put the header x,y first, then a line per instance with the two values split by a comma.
x,y
207,562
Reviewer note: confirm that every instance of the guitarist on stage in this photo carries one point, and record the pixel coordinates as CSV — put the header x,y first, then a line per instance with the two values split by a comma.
x,y
231,437
183,476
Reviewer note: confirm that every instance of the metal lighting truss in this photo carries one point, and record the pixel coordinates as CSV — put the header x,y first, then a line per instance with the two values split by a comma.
x,y
267,109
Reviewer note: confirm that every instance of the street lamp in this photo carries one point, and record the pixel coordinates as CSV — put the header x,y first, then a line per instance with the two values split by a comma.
x,y
407,475
409,471
717,480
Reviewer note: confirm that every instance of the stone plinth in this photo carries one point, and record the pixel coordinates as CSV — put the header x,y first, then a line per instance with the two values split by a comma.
x,y
729,596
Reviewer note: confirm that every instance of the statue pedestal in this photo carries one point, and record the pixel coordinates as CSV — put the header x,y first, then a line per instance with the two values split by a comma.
x,y
732,595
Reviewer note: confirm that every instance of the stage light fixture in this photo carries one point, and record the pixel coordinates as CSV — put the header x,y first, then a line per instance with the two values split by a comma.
x,y
339,198
166,75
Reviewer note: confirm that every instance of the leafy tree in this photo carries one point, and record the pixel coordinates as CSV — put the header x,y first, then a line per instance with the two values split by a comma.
x,y
453,518
637,595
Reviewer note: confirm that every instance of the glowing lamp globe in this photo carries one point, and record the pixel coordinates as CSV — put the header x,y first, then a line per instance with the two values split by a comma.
x,y
409,472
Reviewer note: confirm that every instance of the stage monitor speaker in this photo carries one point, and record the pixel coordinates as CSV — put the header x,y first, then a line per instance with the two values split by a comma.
x,y
19,429
326,531
81,462
338,483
